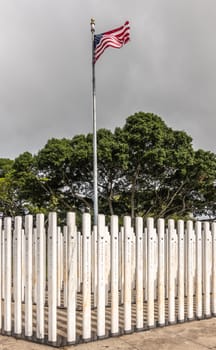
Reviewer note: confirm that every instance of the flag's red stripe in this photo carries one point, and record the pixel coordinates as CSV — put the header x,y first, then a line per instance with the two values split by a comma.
x,y
114,38
116,29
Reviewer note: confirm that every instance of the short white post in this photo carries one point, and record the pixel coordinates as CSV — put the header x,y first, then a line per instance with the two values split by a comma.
x,y
171,269
8,275
199,262
34,267
101,278
58,266
139,273
190,314
45,264
65,263
145,263
114,276
127,275
156,263
79,262
62,261
52,283
23,264
1,277
213,229
3,264
28,275
150,273
121,242
161,273
94,264
81,258
18,272
107,265
86,228
166,246
194,261
207,267
181,260
133,259
40,276
72,277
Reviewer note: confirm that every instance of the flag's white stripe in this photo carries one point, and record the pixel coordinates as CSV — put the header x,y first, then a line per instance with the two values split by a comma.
x,y
119,36
116,39
104,48
110,41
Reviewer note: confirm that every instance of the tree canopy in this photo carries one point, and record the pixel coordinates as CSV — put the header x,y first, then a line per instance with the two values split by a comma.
x,y
144,168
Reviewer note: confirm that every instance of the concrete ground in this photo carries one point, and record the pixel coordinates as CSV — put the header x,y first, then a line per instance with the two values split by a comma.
x,y
196,335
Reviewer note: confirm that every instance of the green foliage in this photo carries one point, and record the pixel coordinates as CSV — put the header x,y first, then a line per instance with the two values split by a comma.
x,y
144,168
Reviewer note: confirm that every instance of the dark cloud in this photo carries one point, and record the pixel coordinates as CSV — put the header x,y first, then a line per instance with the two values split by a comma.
x,y
45,67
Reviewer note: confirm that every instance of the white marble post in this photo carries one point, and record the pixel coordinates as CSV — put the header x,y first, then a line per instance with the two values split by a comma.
x,y
139,273
86,228
161,273
72,274
114,276
28,275
52,278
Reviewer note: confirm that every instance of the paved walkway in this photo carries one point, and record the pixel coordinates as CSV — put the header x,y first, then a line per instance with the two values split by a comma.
x,y
196,335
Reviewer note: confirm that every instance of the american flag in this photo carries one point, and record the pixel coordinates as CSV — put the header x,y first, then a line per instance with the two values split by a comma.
x,y
113,38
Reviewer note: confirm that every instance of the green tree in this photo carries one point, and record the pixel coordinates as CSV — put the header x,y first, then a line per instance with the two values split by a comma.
x,y
112,162
144,168
154,158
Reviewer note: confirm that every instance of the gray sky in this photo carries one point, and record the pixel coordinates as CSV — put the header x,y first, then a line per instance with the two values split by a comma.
x,y
167,68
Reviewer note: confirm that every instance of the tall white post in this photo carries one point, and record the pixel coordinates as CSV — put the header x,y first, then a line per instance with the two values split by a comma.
x,y
28,275
52,282
213,229
72,277
190,314
18,273
171,269
86,227
161,273
114,276
181,260
40,276
207,267
127,275
150,273
139,273
8,275
199,262
101,278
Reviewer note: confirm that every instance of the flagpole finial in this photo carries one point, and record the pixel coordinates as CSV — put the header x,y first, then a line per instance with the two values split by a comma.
x,y
92,25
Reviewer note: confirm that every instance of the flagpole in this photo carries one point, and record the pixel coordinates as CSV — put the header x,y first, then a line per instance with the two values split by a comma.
x,y
95,181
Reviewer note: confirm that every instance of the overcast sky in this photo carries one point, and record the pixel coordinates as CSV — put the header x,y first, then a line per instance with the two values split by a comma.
x,y
168,68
